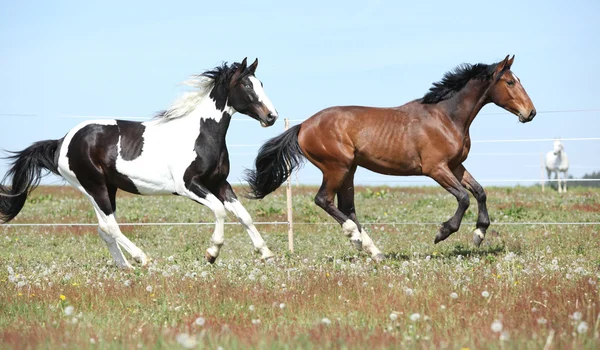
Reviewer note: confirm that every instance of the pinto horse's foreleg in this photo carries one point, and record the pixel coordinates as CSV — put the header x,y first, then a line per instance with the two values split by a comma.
x,y
483,218
199,193
225,193
332,180
345,198
448,180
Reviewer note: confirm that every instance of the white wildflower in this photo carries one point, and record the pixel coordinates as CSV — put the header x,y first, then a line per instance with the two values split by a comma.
x,y
149,289
453,295
326,321
576,316
200,321
393,316
485,294
415,317
582,327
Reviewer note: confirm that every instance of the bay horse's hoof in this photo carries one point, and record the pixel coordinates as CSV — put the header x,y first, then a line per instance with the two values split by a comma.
x,y
478,237
211,259
379,258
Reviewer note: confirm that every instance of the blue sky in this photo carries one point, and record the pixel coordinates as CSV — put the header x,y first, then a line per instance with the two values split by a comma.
x,y
62,60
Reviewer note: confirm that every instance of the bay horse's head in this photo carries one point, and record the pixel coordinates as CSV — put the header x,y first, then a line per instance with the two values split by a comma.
x,y
507,92
247,96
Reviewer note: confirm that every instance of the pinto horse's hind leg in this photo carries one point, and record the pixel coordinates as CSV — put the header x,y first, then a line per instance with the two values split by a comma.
x,y
103,200
225,193
448,180
345,198
483,219
332,180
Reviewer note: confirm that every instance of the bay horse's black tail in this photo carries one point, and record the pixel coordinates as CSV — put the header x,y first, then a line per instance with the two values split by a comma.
x,y
274,163
26,172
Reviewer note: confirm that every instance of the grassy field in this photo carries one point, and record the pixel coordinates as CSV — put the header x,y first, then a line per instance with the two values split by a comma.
x,y
528,285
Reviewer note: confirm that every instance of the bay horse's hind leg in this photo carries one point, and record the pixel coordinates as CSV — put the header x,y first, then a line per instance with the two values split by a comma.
x,y
332,180
345,197
483,219
443,176
225,193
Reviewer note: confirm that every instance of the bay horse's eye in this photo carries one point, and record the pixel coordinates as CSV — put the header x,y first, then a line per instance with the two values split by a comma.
x,y
510,82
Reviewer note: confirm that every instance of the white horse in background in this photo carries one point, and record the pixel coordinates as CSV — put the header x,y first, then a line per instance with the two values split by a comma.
x,y
558,162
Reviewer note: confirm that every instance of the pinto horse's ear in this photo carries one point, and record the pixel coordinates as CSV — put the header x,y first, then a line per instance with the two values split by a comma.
x,y
253,66
501,66
240,70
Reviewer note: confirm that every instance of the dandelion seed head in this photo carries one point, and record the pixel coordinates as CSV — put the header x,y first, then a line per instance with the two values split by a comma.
x,y
453,295
485,294
69,310
496,326
582,327
415,317
393,316
325,321
149,289
200,321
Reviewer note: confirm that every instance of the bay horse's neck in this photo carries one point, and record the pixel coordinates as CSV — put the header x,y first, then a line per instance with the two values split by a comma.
x,y
464,106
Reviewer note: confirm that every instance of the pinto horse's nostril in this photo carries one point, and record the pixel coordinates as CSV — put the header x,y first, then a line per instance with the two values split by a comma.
x,y
271,117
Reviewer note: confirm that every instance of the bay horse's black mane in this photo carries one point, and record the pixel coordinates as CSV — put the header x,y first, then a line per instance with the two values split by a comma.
x,y
218,85
456,79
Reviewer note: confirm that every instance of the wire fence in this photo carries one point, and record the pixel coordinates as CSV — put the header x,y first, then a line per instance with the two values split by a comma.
x,y
289,222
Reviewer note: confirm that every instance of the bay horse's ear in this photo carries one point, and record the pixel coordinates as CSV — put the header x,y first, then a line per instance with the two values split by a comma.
x,y
510,62
501,66
253,66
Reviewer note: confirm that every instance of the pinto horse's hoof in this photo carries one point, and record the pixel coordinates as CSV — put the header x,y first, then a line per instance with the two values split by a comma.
x,y
379,258
357,244
211,259
478,236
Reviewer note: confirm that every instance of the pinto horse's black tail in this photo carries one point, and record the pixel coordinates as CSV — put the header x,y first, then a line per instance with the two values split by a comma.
x,y
26,172
274,163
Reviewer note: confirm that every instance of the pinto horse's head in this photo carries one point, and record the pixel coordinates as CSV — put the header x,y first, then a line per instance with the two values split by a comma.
x,y
507,92
247,96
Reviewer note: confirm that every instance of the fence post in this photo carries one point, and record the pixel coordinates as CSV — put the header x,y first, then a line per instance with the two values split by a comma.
x,y
289,201
542,170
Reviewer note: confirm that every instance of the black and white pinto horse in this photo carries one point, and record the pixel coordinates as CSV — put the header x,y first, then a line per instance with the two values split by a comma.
x,y
181,151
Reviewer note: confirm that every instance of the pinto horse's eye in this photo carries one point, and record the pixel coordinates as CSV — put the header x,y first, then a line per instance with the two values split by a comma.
x,y
247,86
511,82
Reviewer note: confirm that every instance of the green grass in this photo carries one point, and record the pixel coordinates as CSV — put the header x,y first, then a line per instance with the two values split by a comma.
x,y
535,280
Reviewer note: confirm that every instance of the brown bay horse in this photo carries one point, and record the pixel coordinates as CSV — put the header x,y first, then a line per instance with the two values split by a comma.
x,y
427,136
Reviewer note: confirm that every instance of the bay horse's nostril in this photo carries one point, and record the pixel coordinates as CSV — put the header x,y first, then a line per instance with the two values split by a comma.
x,y
532,114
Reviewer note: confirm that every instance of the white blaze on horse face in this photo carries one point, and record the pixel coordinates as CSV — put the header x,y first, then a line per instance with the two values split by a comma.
x,y
262,96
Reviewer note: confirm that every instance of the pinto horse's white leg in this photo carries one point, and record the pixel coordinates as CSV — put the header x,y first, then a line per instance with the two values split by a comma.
x,y
110,240
235,207
201,195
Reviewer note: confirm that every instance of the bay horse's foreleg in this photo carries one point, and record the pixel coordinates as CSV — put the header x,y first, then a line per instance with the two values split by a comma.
x,y
483,219
345,197
332,180
448,180
225,193
199,193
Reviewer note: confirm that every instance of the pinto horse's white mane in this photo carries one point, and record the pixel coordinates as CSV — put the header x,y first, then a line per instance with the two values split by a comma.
x,y
189,100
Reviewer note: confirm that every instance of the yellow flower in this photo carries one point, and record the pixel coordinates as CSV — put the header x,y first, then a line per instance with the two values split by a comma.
x,y
20,294
75,283
62,297
465,349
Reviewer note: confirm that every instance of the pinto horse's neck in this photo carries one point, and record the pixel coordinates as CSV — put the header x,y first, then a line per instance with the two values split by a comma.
x,y
464,106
